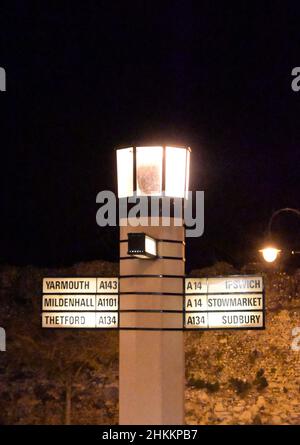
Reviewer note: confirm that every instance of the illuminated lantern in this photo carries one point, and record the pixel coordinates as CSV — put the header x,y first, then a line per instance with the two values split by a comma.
x,y
153,171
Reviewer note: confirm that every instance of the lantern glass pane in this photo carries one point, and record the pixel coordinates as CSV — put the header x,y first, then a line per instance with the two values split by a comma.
x,y
149,171
125,172
176,160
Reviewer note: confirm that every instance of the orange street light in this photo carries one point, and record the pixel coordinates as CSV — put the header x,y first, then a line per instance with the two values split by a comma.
x,y
270,252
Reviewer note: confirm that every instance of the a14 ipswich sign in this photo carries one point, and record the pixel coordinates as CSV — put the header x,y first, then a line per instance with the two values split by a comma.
x,y
232,302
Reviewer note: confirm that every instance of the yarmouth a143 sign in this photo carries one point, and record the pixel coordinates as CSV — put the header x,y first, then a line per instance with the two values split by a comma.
x,y
232,302
227,302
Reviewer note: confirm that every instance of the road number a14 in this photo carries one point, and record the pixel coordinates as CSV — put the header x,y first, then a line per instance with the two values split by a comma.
x,y
195,303
194,286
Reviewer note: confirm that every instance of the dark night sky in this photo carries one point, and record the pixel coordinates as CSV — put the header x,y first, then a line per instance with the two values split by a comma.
x,y
84,80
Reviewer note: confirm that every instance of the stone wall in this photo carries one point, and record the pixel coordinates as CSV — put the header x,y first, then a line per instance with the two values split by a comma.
x,y
248,377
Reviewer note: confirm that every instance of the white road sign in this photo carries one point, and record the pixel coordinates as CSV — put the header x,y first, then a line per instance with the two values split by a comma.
x,y
68,320
236,284
69,302
220,285
69,285
221,302
81,320
228,302
78,285
224,320
224,302
80,302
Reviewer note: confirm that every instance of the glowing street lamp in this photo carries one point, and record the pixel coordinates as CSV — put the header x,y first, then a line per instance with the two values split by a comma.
x,y
153,171
270,254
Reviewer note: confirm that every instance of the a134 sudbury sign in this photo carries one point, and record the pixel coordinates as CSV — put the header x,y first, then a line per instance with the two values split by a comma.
x,y
227,302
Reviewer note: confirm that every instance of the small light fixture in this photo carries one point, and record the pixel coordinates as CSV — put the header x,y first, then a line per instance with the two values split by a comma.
x,y
270,253
142,246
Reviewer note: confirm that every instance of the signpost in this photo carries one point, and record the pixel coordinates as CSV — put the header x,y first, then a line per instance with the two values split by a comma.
x,y
156,303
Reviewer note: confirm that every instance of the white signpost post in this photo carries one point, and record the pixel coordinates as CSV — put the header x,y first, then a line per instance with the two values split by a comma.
x,y
232,302
80,303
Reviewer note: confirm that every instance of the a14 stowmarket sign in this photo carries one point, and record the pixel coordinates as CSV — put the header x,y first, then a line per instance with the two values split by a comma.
x,y
227,302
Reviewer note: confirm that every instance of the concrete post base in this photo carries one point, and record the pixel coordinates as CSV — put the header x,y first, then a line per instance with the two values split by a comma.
x,y
152,367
